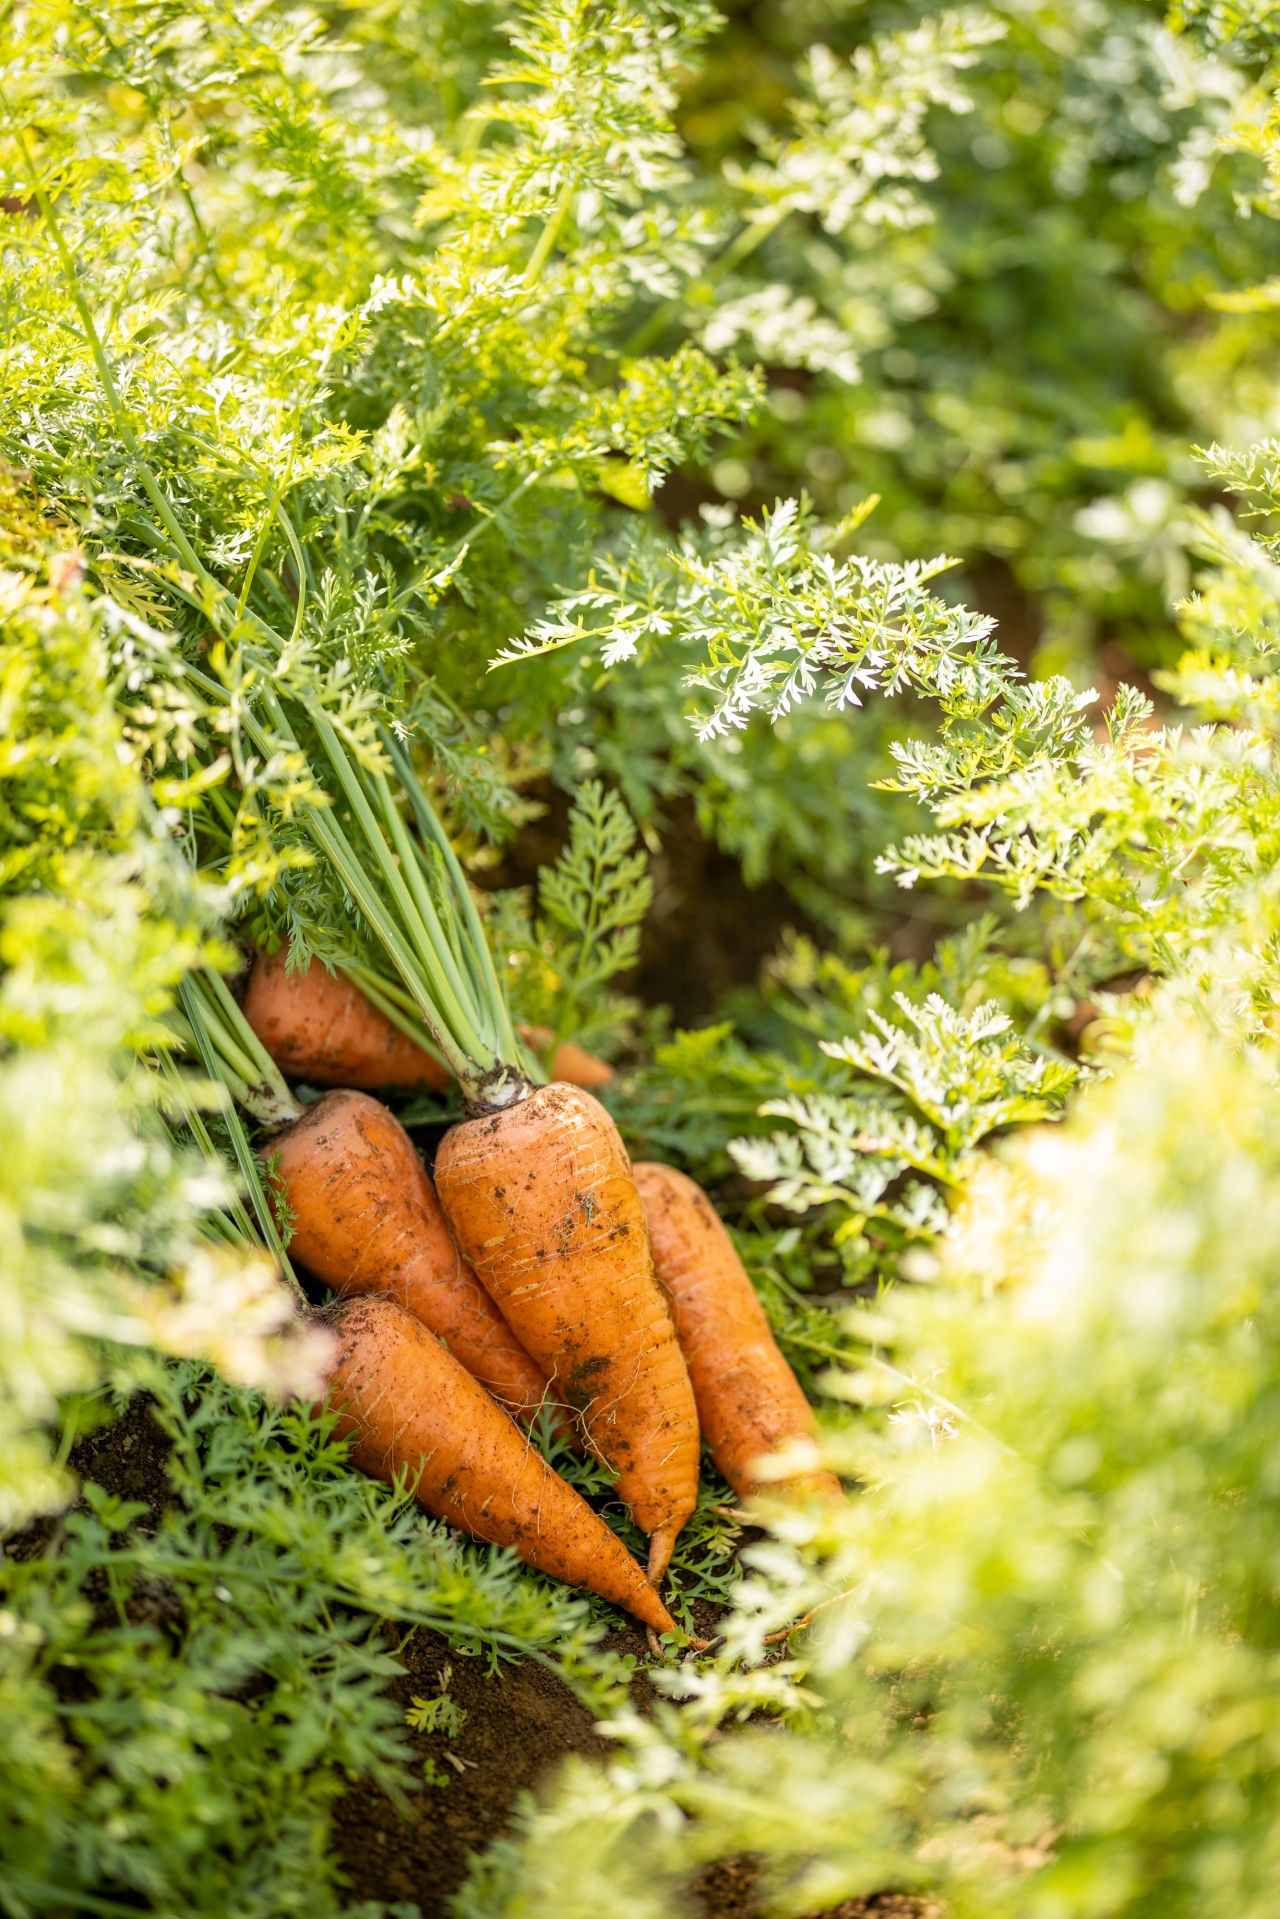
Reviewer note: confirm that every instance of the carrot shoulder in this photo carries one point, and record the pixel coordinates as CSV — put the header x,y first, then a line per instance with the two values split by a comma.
x,y
408,1406
317,1026
367,1220
542,1201
749,1400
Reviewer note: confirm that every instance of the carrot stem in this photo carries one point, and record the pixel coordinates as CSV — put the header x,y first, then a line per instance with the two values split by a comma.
x,y
263,1090
244,1155
376,990
238,1229
431,830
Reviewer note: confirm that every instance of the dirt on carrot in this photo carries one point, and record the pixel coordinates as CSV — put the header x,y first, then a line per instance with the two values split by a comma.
x,y
542,1201
749,1401
319,1027
367,1220
408,1406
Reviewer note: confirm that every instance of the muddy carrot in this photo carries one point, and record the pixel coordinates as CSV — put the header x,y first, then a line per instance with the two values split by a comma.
x,y
749,1400
319,1026
541,1199
410,1407
367,1220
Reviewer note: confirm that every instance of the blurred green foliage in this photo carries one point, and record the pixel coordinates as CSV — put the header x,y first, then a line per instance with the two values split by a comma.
x,y
1032,1654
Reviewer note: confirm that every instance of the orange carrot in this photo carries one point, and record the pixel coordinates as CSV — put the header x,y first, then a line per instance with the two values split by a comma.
x,y
318,1026
749,1400
575,1066
541,1199
410,1407
368,1221
571,1063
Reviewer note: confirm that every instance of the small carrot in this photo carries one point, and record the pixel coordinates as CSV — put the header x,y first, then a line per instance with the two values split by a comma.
x,y
408,1406
319,1026
749,1400
571,1063
575,1066
367,1220
541,1199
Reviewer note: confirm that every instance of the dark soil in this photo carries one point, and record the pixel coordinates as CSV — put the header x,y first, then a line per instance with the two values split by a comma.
x,y
707,931
521,1724
127,1458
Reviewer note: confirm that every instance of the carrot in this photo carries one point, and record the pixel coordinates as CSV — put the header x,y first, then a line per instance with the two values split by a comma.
x,y
571,1063
319,1026
749,1400
368,1221
410,1407
565,1255
542,1201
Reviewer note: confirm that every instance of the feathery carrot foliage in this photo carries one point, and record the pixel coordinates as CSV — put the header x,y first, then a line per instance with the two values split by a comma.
x,y
378,398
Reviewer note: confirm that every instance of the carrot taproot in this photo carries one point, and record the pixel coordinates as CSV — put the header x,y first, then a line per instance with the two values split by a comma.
x,y
408,1406
570,1062
573,1065
542,1201
319,1026
367,1220
749,1400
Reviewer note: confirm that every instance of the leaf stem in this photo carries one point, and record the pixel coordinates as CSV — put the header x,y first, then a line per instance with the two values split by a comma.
x,y
551,231
246,1159
123,424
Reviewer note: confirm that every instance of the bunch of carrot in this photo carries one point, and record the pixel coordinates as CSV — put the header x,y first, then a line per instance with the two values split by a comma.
x,y
539,1272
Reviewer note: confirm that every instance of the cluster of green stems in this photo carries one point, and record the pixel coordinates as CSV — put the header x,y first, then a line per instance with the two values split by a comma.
x,y
437,982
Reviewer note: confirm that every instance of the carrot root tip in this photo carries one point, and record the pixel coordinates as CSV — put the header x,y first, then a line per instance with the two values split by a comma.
x,y
661,1546
695,1644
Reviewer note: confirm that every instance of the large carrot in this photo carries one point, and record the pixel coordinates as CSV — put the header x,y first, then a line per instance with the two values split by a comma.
x,y
749,1400
410,1407
319,1026
367,1220
542,1201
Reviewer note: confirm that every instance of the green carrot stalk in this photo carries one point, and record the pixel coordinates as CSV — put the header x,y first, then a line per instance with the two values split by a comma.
x,y
245,1066
194,1006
